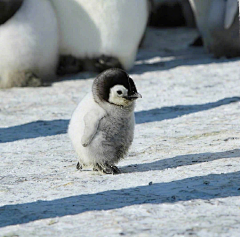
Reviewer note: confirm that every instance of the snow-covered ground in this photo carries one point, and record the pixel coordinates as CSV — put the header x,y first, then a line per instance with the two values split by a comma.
x,y
182,175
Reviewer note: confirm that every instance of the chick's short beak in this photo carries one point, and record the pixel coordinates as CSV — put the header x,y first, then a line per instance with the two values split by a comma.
x,y
134,96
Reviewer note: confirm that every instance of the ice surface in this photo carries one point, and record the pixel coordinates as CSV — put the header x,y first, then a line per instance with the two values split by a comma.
x,y
182,175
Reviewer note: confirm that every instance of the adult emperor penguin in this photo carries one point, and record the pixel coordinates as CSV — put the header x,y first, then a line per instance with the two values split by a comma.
x,y
28,42
218,24
106,33
102,126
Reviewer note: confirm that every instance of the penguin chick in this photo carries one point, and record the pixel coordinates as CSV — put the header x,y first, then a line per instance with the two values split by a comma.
x,y
102,126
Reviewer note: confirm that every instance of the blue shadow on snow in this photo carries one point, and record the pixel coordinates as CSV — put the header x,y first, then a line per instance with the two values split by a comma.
x,y
54,127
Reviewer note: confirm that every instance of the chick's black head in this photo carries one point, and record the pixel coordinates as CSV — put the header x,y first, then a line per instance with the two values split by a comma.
x,y
110,78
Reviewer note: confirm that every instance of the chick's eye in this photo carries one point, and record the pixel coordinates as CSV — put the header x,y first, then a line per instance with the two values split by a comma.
x,y
119,92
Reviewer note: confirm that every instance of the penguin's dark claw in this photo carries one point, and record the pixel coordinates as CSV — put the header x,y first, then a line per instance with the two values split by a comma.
x,y
105,62
79,167
102,168
32,80
25,78
69,65
107,169
116,170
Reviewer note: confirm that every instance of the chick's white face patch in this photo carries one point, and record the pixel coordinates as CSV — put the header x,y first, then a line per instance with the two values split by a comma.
x,y
117,94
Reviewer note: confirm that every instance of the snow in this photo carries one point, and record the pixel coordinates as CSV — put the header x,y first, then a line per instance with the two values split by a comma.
x,y
182,175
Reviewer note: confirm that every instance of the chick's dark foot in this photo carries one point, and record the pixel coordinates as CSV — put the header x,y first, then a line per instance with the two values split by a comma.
x,y
107,169
79,166
103,168
116,170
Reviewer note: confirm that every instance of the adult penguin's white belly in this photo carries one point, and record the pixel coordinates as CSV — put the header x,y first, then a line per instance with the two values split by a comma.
x,y
29,45
91,28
